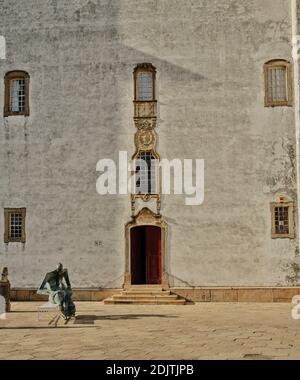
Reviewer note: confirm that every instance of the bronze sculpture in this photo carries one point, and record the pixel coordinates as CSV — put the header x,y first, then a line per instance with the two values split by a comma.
x,y
5,288
57,285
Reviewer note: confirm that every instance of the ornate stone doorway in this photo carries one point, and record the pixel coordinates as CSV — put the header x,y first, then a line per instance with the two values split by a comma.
x,y
146,238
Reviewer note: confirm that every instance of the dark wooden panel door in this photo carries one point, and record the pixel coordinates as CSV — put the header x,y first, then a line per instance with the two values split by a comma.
x,y
138,256
153,255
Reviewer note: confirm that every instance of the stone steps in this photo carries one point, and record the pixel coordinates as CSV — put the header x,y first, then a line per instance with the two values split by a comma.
x,y
112,301
146,288
145,295
162,293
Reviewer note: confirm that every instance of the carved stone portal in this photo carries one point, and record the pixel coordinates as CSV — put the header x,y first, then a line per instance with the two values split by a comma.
x,y
146,217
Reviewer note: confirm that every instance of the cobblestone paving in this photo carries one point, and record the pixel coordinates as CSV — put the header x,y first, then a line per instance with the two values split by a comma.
x,y
200,331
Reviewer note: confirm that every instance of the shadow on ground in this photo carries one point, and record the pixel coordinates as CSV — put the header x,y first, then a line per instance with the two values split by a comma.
x,y
90,319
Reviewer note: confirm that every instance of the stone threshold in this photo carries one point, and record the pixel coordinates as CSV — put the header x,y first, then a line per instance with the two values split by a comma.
x,y
194,294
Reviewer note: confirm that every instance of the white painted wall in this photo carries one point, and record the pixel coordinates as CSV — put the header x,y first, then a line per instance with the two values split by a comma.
x,y
209,56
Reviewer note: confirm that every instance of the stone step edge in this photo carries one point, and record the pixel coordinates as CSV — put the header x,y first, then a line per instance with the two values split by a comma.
x,y
166,293
173,297
148,302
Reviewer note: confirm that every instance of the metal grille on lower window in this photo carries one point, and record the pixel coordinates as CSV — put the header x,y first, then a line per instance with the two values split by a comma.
x,y
17,99
15,228
146,173
282,220
277,84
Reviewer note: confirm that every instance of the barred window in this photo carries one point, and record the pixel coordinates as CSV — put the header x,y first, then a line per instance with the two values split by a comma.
x,y
282,220
278,91
14,225
277,84
144,76
146,169
16,93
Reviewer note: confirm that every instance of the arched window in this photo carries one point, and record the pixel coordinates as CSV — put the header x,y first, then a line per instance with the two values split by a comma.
x,y
278,83
16,93
144,82
146,168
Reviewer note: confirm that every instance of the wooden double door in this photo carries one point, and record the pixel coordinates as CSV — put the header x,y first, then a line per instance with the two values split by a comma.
x,y
146,255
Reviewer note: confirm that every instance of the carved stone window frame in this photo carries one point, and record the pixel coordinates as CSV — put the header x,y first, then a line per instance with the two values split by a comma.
x,y
8,78
7,218
290,205
144,68
288,67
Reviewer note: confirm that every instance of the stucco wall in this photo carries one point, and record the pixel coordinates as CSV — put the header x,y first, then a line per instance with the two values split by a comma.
x,y
209,55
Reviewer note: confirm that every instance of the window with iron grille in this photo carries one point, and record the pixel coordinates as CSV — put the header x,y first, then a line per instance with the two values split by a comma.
x,y
278,91
282,220
146,173
14,225
16,93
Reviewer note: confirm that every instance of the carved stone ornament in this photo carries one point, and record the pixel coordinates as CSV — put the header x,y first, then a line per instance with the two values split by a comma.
x,y
146,216
145,124
145,140
145,109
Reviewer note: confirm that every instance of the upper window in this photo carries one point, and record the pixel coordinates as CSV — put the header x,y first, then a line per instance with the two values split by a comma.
x,y
278,83
144,77
14,221
16,93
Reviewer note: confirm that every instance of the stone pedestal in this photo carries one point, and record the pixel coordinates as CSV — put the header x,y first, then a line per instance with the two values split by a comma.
x,y
5,292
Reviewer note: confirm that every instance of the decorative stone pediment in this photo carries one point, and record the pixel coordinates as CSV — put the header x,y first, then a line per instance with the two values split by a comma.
x,y
146,216
144,66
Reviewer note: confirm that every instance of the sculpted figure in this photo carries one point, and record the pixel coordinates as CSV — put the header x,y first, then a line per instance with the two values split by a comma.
x,y
57,285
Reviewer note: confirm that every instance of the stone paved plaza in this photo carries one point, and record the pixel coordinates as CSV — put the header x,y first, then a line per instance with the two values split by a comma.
x,y
199,331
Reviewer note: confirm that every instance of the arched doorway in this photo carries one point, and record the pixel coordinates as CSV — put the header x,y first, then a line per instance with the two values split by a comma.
x,y
145,255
